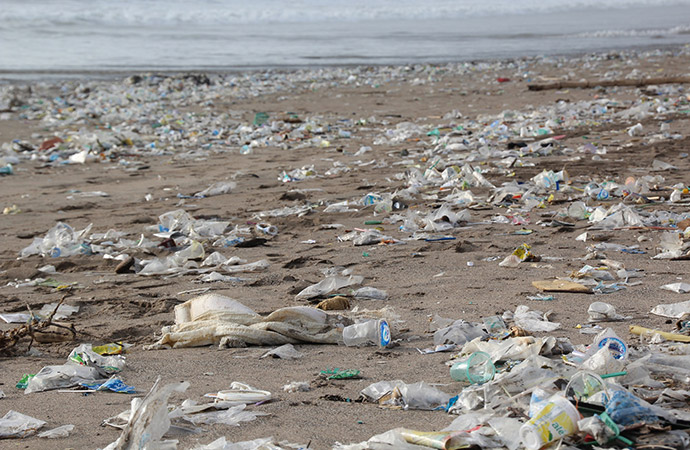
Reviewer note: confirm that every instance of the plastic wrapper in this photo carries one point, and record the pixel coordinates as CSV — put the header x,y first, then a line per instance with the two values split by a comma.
x,y
113,384
256,266
597,428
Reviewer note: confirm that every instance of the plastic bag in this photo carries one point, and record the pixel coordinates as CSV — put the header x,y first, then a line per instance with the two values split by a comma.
x,y
106,365
458,333
673,310
287,351
533,321
18,425
626,409
148,419
408,396
370,293
603,312
59,432
231,416
56,377
328,285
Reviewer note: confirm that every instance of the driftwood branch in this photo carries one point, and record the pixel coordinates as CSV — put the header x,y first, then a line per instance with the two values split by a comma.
x,y
607,83
33,329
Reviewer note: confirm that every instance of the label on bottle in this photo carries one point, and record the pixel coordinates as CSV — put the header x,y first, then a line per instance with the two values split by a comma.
x,y
384,333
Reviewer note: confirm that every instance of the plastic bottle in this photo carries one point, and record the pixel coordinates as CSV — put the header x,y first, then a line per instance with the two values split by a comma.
x,y
371,332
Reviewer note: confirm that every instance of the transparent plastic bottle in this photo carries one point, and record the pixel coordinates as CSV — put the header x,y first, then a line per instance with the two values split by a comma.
x,y
371,332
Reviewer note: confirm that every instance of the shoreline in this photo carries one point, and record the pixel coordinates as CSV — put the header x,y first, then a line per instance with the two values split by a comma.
x,y
13,77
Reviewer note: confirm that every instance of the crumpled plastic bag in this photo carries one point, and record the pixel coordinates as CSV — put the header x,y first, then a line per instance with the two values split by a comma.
x,y
18,425
672,310
678,288
64,376
370,293
59,432
406,396
459,332
219,188
603,312
231,416
106,365
533,321
328,285
287,351
148,420
61,240
603,362
626,409
222,444
517,348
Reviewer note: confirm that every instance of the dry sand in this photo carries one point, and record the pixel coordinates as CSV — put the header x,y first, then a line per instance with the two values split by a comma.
x,y
421,278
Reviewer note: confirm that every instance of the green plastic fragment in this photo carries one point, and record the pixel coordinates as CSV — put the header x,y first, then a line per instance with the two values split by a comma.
x,y
24,382
340,374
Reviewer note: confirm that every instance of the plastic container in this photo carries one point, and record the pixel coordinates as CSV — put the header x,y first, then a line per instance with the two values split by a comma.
x,y
475,369
609,338
371,332
584,385
557,419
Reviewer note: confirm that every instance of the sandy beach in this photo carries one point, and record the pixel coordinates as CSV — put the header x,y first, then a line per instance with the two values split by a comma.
x,y
133,149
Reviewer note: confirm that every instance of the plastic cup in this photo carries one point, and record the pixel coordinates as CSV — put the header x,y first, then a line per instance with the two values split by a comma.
x,y
557,419
585,384
475,369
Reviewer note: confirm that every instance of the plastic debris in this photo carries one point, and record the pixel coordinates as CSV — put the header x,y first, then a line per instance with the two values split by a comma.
x,y
18,425
57,433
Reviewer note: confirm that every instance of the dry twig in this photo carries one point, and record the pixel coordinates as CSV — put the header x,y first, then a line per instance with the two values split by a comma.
x,y
9,339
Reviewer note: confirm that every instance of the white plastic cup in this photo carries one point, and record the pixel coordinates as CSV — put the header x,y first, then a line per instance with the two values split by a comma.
x,y
475,369
556,420
371,332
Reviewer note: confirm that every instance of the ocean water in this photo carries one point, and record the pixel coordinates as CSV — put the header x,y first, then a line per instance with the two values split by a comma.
x,y
78,36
